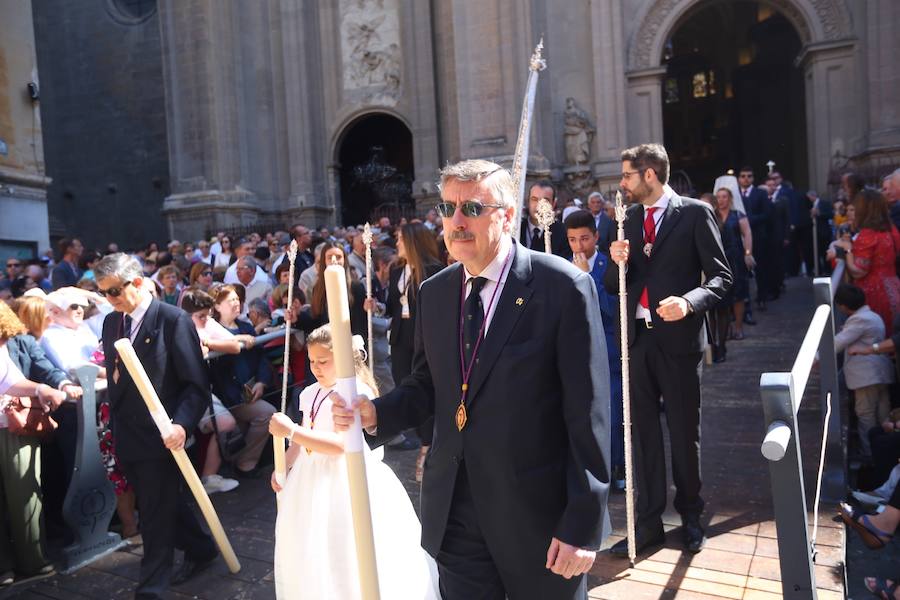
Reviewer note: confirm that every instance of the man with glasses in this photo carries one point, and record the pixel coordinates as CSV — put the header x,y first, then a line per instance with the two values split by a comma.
x,y
166,342
531,234
671,244
510,360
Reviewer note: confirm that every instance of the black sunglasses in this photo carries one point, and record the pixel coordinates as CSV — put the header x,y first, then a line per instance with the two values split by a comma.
x,y
13,265
75,306
469,208
206,273
115,292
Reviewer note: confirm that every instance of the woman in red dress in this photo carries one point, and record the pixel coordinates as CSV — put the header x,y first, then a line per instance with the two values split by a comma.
x,y
871,256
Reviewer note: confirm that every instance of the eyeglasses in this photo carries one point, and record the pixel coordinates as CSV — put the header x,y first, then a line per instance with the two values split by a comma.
x,y
627,174
75,306
13,264
205,273
115,292
469,208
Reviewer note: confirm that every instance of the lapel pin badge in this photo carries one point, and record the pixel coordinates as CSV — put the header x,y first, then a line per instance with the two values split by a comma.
x,y
519,301
147,341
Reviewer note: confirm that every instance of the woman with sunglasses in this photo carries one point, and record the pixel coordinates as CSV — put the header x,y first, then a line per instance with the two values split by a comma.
x,y
200,278
221,260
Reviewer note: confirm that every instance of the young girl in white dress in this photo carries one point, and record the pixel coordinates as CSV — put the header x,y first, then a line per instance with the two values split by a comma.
x,y
315,555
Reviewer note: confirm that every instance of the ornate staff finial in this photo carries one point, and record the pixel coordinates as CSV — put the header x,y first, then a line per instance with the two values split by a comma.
x,y
620,209
771,165
367,240
545,218
292,252
537,62
367,235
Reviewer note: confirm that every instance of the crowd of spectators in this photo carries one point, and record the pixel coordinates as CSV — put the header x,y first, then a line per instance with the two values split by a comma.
x,y
237,288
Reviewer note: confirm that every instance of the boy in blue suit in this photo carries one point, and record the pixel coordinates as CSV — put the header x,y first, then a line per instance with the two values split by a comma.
x,y
581,232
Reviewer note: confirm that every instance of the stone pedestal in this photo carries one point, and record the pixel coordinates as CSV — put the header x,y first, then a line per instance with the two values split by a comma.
x,y
645,122
90,501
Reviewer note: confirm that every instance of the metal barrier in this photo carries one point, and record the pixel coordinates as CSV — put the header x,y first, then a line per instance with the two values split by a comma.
x,y
782,394
260,339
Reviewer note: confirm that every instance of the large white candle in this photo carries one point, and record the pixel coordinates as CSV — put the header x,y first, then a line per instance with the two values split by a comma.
x,y
161,418
339,318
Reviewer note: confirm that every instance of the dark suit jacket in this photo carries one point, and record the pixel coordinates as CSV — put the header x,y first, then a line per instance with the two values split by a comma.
x,y
558,241
606,230
28,355
403,330
759,214
536,445
169,348
229,373
687,245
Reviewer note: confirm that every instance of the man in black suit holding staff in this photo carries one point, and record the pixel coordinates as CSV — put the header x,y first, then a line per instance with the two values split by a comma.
x,y
166,342
510,359
673,241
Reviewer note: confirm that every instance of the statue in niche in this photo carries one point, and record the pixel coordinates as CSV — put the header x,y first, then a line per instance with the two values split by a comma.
x,y
579,131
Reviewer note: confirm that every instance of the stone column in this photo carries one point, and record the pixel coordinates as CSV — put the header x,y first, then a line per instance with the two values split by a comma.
x,y
202,82
644,93
608,50
882,47
304,107
832,117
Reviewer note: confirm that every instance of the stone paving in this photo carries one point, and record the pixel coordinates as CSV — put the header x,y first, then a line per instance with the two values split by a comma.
x,y
740,560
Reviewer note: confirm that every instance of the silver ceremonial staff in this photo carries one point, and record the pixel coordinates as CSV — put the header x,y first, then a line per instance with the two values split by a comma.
x,y
278,447
545,218
367,240
626,387
520,158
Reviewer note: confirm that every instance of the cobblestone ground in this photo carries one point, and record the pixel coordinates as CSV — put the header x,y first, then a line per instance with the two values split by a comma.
x,y
739,562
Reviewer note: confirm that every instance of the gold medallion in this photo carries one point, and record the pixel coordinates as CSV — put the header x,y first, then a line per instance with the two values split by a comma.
x,y
461,416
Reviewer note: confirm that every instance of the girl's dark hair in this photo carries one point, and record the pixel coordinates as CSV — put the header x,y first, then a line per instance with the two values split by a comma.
x,y
194,300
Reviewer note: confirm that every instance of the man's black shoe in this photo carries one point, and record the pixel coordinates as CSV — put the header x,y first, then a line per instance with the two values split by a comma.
x,y
641,542
748,319
694,538
189,568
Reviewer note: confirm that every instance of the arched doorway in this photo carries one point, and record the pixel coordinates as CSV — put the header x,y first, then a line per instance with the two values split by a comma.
x,y
375,154
732,94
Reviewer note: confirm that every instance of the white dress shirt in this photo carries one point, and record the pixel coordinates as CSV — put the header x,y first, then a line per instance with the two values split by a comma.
x,y
232,278
496,273
137,315
662,204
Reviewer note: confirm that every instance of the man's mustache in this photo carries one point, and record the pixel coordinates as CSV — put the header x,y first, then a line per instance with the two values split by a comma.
x,y
461,236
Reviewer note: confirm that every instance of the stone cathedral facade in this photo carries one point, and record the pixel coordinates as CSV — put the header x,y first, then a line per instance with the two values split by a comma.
x,y
274,111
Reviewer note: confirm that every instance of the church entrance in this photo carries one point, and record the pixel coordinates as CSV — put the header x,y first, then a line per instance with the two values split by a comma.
x,y
376,170
732,95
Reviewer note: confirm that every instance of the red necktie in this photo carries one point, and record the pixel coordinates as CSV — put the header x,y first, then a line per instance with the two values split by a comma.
x,y
649,238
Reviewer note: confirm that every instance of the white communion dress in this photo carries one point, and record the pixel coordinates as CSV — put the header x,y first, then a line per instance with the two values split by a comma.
x,y
315,555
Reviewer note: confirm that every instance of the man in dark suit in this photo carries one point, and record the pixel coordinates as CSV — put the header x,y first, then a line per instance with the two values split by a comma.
x,y
780,234
822,213
674,241
166,342
759,214
510,359
606,227
530,233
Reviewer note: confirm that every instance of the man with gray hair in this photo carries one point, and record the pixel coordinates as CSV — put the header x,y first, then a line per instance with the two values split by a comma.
x,y
890,186
166,342
246,269
606,227
510,361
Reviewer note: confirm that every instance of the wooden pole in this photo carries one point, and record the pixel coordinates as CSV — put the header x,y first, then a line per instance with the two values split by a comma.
x,y
164,424
342,348
626,387
278,442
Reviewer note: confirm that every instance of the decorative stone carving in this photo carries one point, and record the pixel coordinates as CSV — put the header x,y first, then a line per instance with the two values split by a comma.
x,y
578,132
832,19
370,51
579,181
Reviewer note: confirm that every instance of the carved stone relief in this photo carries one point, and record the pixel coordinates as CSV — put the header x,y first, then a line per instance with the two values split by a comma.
x,y
370,51
578,132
